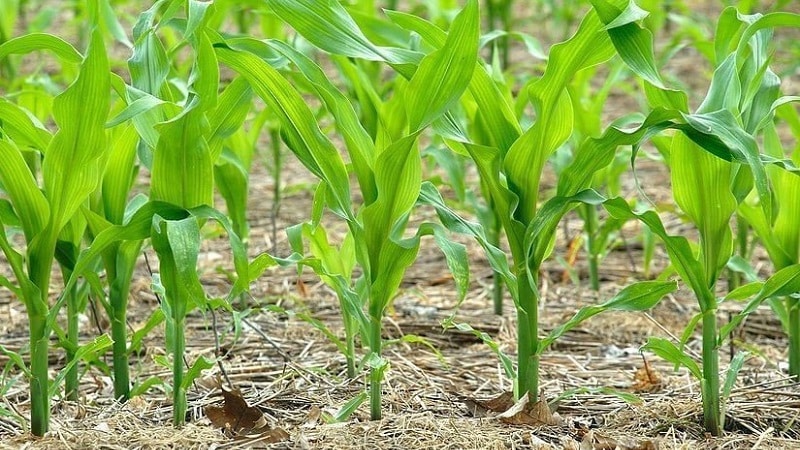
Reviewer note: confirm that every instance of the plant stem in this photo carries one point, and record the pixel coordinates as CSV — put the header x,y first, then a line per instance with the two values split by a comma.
x,y
118,299
793,309
39,383
493,237
590,224
376,373
710,382
71,378
179,405
527,338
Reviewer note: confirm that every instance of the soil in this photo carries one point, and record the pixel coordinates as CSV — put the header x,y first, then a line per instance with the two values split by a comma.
x,y
434,393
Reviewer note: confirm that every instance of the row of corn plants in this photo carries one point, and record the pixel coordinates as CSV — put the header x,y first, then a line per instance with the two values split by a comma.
x,y
186,114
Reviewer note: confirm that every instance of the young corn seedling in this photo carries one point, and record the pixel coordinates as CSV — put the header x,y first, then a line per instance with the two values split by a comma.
x,y
71,171
388,169
510,164
715,163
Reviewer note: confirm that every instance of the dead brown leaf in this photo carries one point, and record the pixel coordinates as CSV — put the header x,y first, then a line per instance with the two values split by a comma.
x,y
594,440
482,408
235,414
525,413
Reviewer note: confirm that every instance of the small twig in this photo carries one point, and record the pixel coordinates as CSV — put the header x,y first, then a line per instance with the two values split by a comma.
x,y
647,370
274,344
150,271
217,351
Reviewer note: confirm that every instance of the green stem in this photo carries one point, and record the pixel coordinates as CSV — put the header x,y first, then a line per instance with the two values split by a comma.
x,y
527,339
71,378
493,237
179,405
590,224
505,17
793,308
710,382
376,373
118,299
277,165
39,382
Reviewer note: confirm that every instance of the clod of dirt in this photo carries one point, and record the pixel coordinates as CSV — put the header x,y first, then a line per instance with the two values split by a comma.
x,y
648,379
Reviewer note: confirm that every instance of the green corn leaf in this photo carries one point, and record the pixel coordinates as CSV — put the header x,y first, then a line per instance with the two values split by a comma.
x,y
22,127
398,176
177,243
183,172
526,158
298,125
80,143
443,75
231,111
668,351
41,41
196,370
89,351
120,173
232,181
359,144
701,187
784,282
19,184
635,46
204,79
730,377
327,25
17,359
493,106
455,223
636,297
508,365
679,250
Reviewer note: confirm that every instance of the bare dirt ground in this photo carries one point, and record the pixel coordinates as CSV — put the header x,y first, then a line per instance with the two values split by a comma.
x,y
294,375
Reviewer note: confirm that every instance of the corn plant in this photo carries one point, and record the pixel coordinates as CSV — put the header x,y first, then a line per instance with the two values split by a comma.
x,y
388,169
79,144
719,135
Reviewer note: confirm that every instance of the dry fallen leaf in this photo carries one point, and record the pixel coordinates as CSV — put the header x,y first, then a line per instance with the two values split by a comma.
x,y
482,408
525,413
235,414
594,440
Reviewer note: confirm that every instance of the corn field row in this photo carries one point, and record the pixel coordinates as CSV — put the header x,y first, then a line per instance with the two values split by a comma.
x,y
366,99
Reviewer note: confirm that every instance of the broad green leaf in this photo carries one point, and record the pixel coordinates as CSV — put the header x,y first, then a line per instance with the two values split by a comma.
x,y
120,173
639,296
23,127
453,222
177,243
19,184
668,351
443,75
75,158
784,282
493,106
701,187
183,172
41,41
299,128
398,176
359,144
